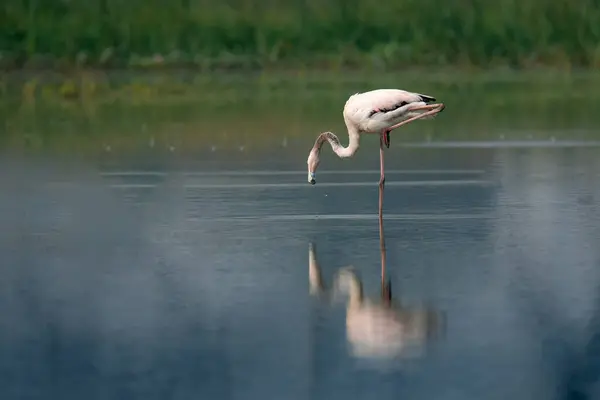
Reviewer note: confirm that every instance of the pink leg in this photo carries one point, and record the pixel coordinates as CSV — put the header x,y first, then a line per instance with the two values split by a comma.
x,y
384,291
382,178
386,137
433,109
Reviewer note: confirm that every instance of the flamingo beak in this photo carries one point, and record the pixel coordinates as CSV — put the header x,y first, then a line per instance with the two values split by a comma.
x,y
313,164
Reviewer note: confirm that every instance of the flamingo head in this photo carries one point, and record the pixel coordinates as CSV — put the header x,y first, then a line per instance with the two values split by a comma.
x,y
313,164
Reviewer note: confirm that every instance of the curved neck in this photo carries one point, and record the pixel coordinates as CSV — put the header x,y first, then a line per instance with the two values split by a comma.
x,y
336,146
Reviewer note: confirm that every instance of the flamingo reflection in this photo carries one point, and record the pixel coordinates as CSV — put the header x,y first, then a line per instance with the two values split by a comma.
x,y
376,327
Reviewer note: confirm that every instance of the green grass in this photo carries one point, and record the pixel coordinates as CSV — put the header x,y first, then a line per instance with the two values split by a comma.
x,y
301,33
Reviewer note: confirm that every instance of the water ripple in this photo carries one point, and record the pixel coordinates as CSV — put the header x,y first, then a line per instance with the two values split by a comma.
x,y
282,185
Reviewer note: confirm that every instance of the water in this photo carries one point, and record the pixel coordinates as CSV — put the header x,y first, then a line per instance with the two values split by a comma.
x,y
174,274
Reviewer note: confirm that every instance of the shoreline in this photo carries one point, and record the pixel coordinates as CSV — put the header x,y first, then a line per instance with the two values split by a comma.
x,y
446,76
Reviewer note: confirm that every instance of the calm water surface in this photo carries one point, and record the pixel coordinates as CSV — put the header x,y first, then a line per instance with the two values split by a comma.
x,y
156,238
189,278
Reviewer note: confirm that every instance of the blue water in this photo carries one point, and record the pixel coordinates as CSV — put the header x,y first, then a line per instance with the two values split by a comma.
x,y
177,279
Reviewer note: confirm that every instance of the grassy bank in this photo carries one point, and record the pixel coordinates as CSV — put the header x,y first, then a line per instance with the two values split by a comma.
x,y
90,112
300,33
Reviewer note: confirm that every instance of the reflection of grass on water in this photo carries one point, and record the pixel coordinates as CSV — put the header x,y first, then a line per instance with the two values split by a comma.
x,y
91,110
100,87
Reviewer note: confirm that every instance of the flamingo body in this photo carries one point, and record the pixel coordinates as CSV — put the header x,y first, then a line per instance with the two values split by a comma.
x,y
376,110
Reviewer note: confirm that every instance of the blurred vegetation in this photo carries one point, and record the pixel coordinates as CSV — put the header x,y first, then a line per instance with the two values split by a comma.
x,y
299,33
190,113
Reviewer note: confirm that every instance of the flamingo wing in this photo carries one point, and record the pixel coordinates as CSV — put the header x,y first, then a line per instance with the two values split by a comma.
x,y
383,100
392,99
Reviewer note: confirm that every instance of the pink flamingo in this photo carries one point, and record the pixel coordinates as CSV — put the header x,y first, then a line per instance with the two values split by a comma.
x,y
377,111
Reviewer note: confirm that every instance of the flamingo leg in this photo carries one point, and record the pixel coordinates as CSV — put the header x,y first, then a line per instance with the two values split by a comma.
x,y
433,109
385,291
382,178
386,137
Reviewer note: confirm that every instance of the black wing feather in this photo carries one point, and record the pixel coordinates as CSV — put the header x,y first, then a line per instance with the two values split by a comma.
x,y
426,99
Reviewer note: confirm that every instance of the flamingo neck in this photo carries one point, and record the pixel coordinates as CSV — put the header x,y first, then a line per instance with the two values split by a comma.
x,y
336,146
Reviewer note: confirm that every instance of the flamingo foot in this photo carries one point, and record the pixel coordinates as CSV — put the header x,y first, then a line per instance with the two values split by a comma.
x,y
386,292
386,138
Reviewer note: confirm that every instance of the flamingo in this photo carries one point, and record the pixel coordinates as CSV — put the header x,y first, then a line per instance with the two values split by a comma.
x,y
376,111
